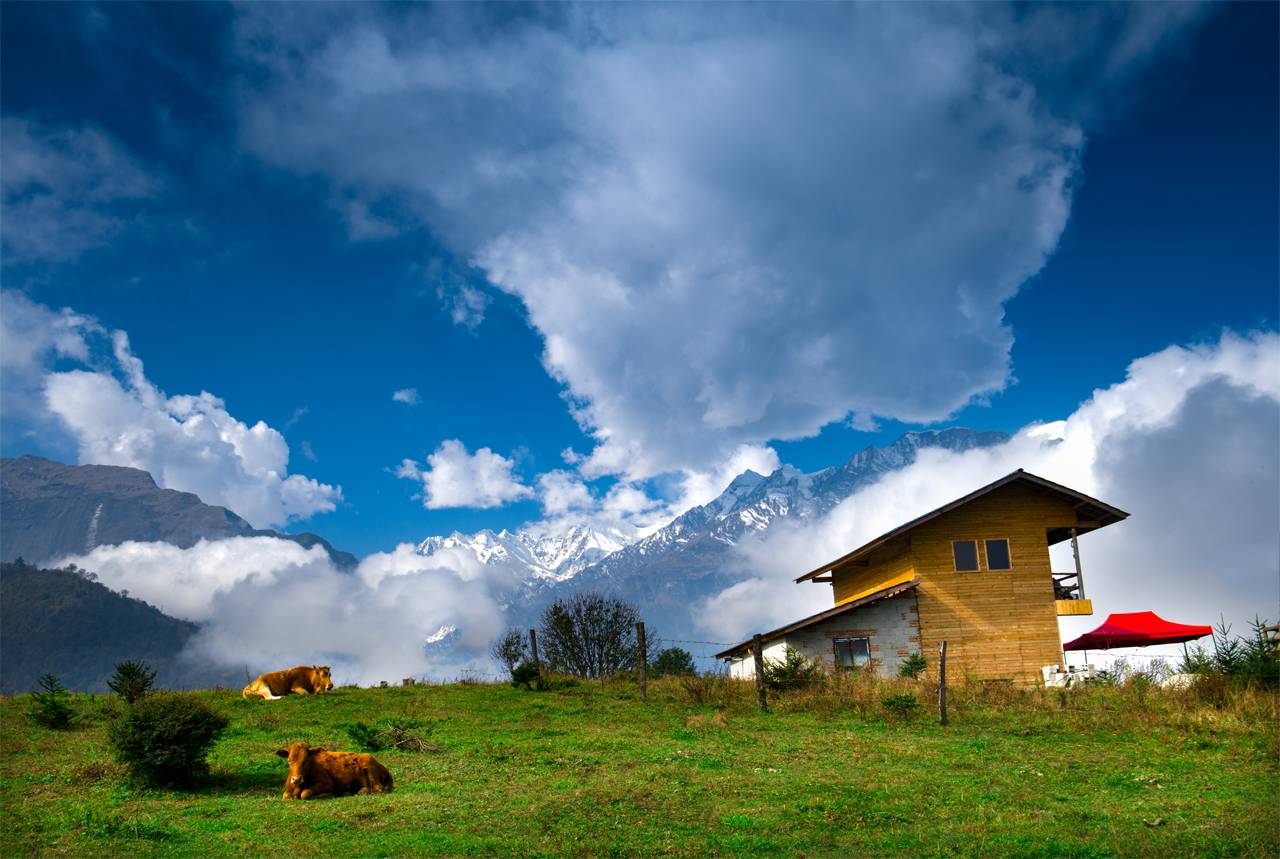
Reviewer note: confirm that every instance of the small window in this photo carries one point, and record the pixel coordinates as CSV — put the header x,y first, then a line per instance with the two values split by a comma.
x,y
853,652
998,555
966,554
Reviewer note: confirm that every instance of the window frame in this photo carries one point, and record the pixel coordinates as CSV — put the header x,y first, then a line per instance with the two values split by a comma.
x,y
977,556
1008,548
853,664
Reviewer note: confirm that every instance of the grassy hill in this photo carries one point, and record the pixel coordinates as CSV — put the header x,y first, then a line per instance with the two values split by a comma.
x,y
592,771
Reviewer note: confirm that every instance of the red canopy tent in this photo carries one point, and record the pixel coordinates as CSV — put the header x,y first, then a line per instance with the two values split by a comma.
x,y
1136,629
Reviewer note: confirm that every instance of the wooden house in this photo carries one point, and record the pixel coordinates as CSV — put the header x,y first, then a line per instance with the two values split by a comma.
x,y
975,573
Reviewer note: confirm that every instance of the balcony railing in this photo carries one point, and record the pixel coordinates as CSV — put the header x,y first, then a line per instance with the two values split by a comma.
x,y
1066,586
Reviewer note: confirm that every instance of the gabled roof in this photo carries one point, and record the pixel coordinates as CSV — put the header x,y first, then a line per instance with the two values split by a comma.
x,y
1093,513
883,594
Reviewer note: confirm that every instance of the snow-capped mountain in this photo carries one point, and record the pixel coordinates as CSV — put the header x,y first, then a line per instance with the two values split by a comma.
x,y
671,570
534,558
668,572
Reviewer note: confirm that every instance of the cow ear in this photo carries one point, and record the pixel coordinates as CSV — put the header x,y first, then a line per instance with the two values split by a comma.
x,y
284,753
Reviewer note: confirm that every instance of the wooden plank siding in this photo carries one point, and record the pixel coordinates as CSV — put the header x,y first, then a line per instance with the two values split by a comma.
x,y
1000,624
889,565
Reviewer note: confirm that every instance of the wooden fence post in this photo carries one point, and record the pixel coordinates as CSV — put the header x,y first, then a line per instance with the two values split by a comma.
x,y
942,683
644,661
757,650
533,651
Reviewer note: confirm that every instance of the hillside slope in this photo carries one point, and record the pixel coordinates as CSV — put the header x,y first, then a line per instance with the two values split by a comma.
x,y
49,510
54,621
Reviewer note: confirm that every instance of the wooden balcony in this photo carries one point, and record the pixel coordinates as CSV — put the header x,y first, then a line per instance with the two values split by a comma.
x,y
1067,598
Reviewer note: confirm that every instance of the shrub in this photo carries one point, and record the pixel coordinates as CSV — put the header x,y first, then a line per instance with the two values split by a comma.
x,y
793,672
525,674
49,707
901,706
511,649
132,680
389,734
913,666
163,739
673,662
366,737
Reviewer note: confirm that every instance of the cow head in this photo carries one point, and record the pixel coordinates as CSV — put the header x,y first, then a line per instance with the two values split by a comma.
x,y
323,678
300,756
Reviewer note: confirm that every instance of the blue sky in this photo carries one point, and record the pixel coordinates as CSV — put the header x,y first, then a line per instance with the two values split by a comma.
x,y
429,197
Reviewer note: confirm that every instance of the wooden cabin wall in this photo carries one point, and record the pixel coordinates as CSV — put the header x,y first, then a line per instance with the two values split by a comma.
x,y
889,565
997,624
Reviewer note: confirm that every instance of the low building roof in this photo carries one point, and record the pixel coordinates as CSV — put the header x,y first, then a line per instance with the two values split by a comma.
x,y
883,594
1094,514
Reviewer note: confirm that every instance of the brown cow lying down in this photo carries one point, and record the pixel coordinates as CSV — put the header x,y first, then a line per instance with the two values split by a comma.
x,y
301,679
314,773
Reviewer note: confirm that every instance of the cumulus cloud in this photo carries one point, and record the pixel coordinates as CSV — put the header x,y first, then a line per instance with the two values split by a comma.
x,y
266,603
563,491
717,217
456,478
64,190
408,396
115,416
1188,444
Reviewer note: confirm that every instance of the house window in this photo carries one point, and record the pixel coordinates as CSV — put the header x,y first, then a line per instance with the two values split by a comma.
x,y
998,555
966,555
852,652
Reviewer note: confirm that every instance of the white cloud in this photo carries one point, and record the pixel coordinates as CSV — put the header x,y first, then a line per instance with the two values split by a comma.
x,y
1188,444
65,190
465,303
717,217
408,396
115,416
455,478
563,491
267,603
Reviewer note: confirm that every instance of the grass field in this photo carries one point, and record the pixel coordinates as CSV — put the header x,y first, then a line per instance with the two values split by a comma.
x,y
591,771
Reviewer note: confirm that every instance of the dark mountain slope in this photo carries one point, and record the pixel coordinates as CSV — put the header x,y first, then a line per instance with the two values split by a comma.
x,y
49,510
55,621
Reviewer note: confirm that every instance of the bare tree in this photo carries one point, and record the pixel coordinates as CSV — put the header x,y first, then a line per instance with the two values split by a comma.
x,y
511,649
591,635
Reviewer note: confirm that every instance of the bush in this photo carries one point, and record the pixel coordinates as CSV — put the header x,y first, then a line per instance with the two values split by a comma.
x,y
913,666
132,680
793,672
366,737
511,649
673,662
163,739
389,734
50,707
525,674
901,706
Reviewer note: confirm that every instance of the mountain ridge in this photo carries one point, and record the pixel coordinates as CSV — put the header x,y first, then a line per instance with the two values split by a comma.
x,y
52,510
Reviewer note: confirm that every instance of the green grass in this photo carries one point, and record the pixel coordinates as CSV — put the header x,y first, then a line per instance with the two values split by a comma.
x,y
591,771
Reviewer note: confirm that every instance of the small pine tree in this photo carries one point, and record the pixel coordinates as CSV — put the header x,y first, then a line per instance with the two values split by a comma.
x,y
525,674
793,672
49,707
913,666
132,680
163,739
